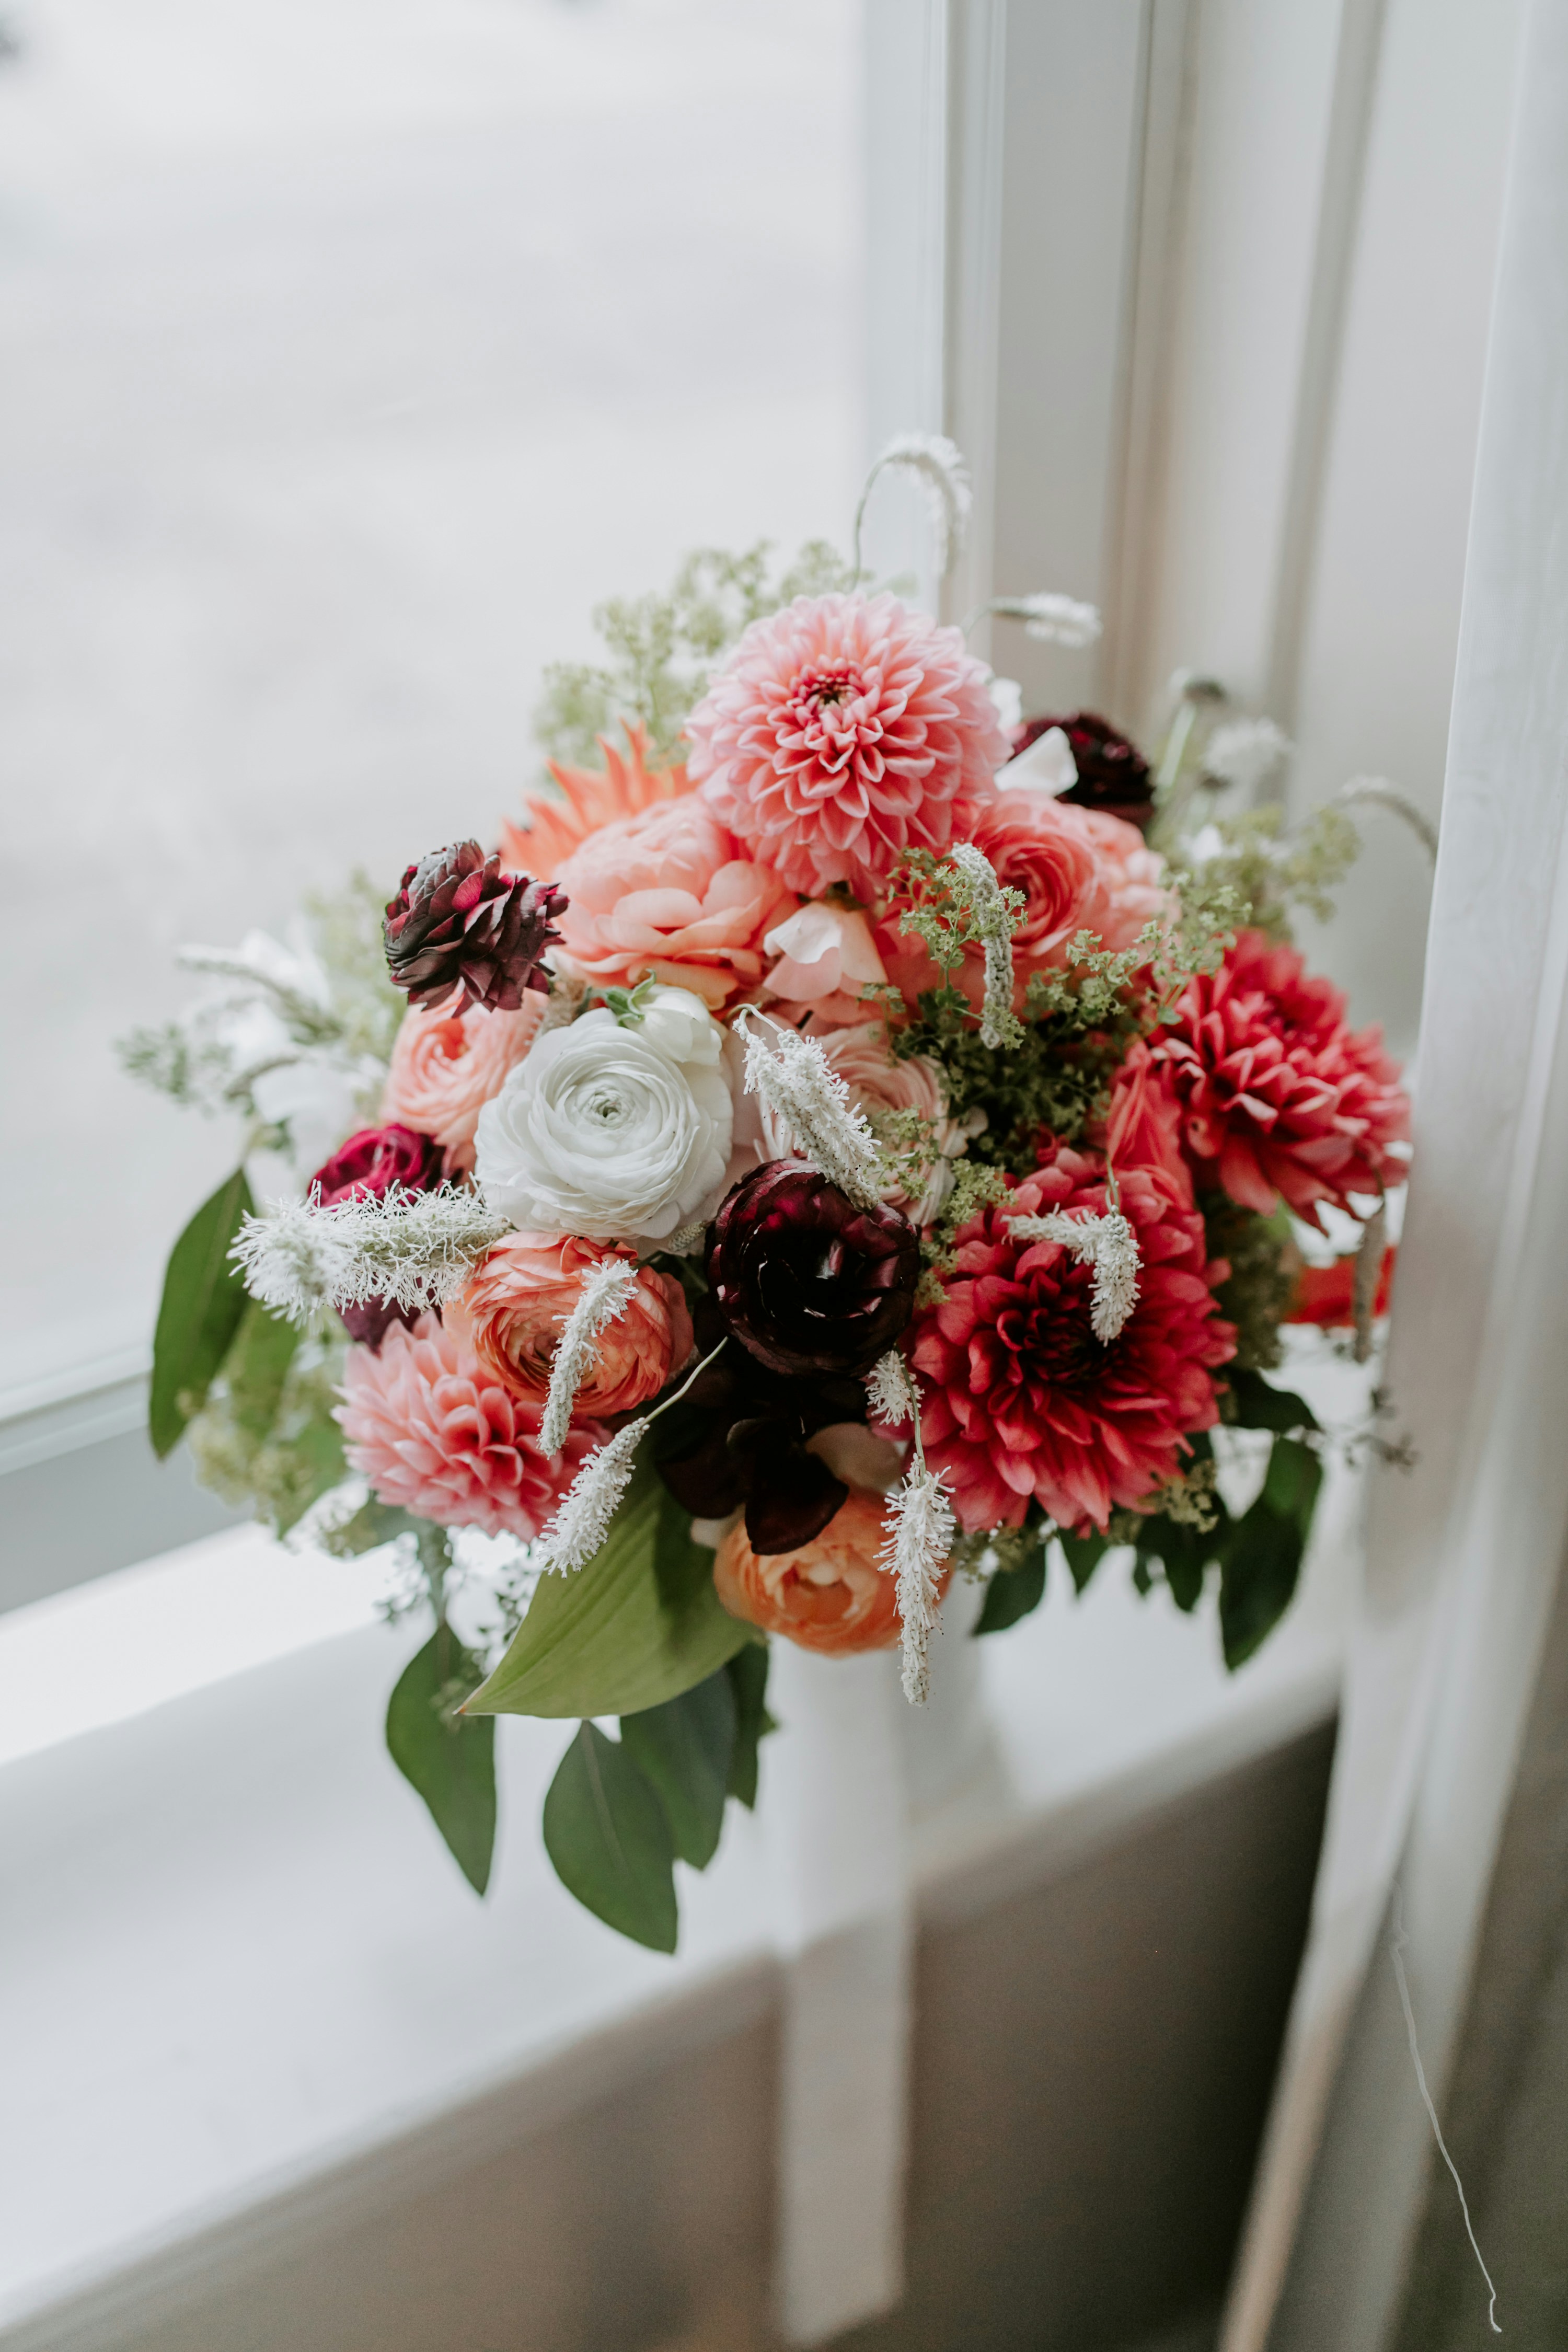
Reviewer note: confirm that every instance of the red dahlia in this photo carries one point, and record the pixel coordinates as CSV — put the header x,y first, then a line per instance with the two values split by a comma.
x,y
1278,1096
1023,1402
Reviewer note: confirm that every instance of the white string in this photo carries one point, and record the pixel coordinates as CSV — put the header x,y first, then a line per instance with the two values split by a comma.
x,y
1396,1946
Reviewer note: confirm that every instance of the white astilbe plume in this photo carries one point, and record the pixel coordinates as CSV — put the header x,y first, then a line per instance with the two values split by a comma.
x,y
1054,619
920,1530
607,1292
937,465
583,1520
417,1249
998,1024
1245,751
1108,1243
891,1389
792,1078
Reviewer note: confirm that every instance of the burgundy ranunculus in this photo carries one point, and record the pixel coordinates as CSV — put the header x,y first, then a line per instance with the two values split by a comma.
x,y
461,928
369,1164
739,1436
1112,774
806,1280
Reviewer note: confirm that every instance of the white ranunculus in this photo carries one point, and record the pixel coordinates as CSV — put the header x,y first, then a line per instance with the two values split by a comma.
x,y
616,1131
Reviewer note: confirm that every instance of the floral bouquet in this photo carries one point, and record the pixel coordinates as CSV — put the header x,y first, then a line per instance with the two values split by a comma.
x,y
840,1139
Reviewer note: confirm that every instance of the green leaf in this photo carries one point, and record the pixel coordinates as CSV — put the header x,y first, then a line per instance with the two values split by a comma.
x,y
1260,1406
606,1833
683,1749
1263,1557
203,1302
257,1366
1295,1474
373,1524
748,1672
449,1758
602,1640
1083,1555
318,1447
1013,1594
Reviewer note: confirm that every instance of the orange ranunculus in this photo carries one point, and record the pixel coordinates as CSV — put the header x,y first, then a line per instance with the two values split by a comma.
x,y
517,1303
592,797
828,1594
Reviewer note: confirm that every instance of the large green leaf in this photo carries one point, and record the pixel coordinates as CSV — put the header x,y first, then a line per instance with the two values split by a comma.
x,y
257,1366
203,1303
1083,1555
1263,1554
605,1831
1259,1404
748,1672
449,1758
1013,1592
638,1625
683,1751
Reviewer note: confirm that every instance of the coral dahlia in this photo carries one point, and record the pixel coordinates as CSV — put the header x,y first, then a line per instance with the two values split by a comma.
x,y
1023,1402
1279,1099
839,734
591,797
433,1430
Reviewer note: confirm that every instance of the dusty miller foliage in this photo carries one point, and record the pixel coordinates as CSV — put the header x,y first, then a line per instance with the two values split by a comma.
x,y
661,650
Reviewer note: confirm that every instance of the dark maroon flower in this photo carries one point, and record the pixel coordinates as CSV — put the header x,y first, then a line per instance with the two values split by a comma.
x,y
369,1164
739,1436
1112,774
804,1279
461,928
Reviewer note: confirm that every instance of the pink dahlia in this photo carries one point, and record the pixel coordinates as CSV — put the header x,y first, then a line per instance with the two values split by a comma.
x,y
1279,1099
839,734
1023,1401
436,1432
669,892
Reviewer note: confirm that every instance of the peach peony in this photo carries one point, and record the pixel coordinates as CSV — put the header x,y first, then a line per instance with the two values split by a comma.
x,y
513,1310
828,1594
592,797
435,1433
669,893
445,1068
1079,871
840,733
825,956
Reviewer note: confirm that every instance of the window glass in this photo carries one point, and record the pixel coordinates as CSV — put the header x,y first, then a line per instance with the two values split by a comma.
x,y
349,354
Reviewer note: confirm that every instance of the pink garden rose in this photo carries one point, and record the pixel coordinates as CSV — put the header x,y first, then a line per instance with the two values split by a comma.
x,y
445,1067
436,1434
513,1310
1079,871
669,892
840,732
878,1082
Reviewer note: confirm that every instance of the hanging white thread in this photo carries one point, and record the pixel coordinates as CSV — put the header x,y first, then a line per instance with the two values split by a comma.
x,y
1397,1943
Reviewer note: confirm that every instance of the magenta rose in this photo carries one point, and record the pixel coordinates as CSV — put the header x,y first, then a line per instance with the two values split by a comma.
x,y
368,1165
